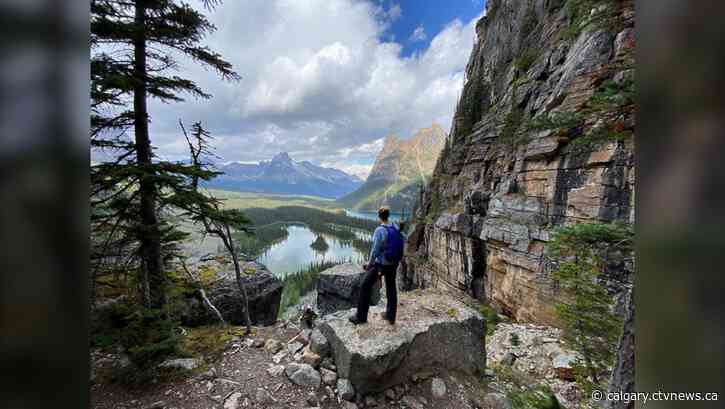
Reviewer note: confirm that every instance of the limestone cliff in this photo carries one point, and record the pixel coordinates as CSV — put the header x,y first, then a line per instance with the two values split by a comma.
x,y
400,169
543,135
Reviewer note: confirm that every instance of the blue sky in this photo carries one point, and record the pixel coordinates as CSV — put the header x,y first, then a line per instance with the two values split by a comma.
x,y
431,15
324,80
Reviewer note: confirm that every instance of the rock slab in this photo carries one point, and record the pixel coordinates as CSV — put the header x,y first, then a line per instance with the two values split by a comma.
x,y
433,332
264,290
338,288
303,375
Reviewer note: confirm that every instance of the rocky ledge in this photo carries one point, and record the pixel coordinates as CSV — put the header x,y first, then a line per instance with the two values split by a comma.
x,y
263,289
338,288
433,333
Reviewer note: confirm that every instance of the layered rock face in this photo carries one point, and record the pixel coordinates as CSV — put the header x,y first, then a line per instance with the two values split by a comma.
x,y
433,333
263,289
542,137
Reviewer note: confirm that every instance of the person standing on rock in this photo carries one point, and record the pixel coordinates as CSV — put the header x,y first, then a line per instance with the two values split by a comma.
x,y
386,253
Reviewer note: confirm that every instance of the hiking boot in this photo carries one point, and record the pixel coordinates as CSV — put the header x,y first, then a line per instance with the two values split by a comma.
x,y
355,321
384,316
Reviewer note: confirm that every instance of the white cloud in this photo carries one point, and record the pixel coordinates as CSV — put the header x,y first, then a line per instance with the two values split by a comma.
x,y
361,171
395,12
317,82
418,34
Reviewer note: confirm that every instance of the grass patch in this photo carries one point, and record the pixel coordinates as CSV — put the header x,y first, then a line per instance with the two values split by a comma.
x,y
601,14
526,392
492,318
210,341
246,200
540,397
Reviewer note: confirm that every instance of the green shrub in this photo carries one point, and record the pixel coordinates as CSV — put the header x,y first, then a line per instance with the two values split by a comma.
x,y
512,122
300,283
525,60
540,397
514,339
590,326
579,13
491,316
150,337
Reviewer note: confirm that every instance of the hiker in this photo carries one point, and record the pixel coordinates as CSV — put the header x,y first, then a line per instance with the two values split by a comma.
x,y
385,255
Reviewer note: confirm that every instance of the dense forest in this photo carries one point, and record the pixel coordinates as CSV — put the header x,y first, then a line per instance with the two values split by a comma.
x,y
268,226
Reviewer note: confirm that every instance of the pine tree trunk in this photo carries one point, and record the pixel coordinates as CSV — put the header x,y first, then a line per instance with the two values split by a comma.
x,y
150,237
242,287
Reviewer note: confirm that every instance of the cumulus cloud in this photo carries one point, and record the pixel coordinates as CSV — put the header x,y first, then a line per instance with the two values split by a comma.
x,y
418,34
395,12
361,171
317,81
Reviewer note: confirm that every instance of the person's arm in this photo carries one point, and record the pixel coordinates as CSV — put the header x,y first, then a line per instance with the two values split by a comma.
x,y
377,246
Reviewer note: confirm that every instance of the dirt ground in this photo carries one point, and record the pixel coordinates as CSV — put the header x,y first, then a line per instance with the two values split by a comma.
x,y
240,380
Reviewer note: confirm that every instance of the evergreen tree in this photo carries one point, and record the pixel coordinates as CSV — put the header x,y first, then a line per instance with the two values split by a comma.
x,y
206,209
134,44
590,326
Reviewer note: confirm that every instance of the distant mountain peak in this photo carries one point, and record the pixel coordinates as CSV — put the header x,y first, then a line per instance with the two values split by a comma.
x,y
282,157
399,169
284,175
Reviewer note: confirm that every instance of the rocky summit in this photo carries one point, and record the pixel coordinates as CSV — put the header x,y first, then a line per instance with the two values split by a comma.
x,y
400,169
433,332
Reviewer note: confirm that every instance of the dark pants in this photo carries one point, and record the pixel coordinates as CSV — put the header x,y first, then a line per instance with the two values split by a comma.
x,y
366,291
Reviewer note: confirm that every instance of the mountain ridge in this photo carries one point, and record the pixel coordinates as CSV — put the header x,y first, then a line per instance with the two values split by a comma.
x,y
401,167
283,175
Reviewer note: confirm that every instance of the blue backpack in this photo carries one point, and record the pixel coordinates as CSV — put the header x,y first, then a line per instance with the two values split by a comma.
x,y
394,243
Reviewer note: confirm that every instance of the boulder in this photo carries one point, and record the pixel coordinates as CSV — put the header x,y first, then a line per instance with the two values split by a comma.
x,y
438,388
279,356
328,377
187,364
275,370
338,288
311,358
293,347
273,346
232,402
563,366
433,331
303,375
345,389
263,288
496,401
318,343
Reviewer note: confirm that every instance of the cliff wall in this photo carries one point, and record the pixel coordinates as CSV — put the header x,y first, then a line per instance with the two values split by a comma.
x,y
543,136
